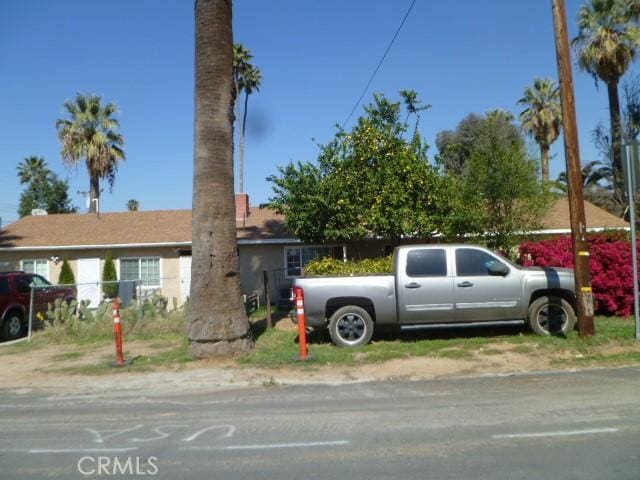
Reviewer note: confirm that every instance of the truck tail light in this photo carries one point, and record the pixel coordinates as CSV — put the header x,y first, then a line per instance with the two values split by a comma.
x,y
297,292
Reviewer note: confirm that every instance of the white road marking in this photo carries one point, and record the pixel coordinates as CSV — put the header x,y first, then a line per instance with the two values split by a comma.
x,y
230,431
560,433
81,450
268,446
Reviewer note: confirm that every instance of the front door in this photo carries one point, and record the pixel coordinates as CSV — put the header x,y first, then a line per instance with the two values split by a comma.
x,y
425,287
480,296
89,281
185,277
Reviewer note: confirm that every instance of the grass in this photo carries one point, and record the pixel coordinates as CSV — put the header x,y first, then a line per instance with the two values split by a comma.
x,y
276,348
165,339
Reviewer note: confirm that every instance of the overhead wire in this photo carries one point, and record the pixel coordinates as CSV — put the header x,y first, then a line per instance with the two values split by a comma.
x,y
384,55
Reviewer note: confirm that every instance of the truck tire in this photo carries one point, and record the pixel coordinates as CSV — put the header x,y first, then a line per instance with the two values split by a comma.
x,y
551,315
12,326
350,326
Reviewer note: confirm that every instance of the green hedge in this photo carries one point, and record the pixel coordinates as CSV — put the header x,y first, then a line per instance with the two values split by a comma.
x,y
332,266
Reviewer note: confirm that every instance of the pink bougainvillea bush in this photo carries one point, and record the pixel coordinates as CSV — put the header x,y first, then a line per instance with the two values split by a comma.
x,y
611,267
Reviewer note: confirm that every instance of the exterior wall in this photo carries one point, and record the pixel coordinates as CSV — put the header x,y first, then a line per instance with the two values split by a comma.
x,y
254,259
169,263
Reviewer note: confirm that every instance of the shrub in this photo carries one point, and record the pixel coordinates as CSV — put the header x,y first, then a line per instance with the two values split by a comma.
x,y
332,266
66,276
109,274
610,262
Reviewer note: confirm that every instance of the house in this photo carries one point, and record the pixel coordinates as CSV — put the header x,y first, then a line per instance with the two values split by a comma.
x,y
155,247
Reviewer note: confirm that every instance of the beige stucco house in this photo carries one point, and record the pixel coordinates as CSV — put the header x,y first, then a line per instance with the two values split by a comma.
x,y
155,247
151,246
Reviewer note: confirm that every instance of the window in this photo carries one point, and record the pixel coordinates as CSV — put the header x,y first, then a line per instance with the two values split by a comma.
x,y
146,269
471,262
427,263
38,281
39,267
23,283
296,258
4,286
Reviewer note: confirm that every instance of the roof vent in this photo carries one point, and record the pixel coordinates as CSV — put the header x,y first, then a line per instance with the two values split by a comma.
x,y
38,211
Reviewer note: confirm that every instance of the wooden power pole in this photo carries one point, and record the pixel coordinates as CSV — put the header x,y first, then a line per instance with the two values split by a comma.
x,y
574,175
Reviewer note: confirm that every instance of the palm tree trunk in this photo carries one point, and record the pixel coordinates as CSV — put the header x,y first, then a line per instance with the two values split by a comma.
x,y
244,125
94,192
544,156
218,324
616,138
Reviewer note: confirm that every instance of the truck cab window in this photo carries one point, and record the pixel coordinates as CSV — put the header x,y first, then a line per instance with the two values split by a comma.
x,y
427,263
472,262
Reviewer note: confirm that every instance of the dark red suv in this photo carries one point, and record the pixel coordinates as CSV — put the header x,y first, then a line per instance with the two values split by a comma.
x,y
15,297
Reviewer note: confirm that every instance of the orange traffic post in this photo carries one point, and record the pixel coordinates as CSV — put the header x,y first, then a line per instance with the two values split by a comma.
x,y
117,330
302,327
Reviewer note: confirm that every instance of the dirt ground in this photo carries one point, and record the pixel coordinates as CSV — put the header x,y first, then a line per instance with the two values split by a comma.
x,y
47,369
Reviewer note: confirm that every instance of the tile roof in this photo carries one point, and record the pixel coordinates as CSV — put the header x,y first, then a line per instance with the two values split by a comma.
x,y
142,227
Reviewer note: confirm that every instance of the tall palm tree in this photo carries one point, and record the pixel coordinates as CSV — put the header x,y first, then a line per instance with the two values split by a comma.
x,y
91,134
246,78
218,323
249,83
542,119
33,170
606,44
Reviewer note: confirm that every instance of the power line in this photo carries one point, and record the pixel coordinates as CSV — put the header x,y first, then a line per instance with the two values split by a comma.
x,y
364,91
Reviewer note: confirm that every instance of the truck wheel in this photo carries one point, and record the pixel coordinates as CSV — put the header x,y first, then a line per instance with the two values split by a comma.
x,y
350,326
550,315
12,326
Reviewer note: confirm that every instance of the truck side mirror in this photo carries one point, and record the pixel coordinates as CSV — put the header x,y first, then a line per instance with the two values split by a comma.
x,y
498,269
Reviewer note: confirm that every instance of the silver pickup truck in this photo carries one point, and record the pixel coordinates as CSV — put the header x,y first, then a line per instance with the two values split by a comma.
x,y
436,284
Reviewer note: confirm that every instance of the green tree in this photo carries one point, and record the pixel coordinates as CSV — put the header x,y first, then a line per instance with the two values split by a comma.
x,y
455,147
91,133
370,181
606,44
44,189
542,119
133,205
218,323
501,183
109,274
247,79
66,276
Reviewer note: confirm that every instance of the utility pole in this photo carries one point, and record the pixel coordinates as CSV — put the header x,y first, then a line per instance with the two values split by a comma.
x,y
584,293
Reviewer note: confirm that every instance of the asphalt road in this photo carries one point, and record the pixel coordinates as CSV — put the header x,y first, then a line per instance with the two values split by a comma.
x,y
583,425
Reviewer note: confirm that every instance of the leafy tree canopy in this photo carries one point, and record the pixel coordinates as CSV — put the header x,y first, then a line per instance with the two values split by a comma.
x,y
457,146
372,181
44,189
500,180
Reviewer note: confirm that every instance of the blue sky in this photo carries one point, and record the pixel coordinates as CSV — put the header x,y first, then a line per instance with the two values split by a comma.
x,y
315,55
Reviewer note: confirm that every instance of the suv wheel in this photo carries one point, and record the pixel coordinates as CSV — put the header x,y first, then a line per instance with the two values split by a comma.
x,y
12,326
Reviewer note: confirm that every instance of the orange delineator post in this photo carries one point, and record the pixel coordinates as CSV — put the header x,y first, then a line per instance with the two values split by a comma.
x,y
302,328
117,329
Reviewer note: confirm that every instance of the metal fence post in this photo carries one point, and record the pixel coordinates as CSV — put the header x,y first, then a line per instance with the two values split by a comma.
x,y
30,327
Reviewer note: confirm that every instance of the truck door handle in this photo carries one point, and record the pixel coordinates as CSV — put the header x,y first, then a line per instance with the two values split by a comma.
x,y
412,285
465,284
